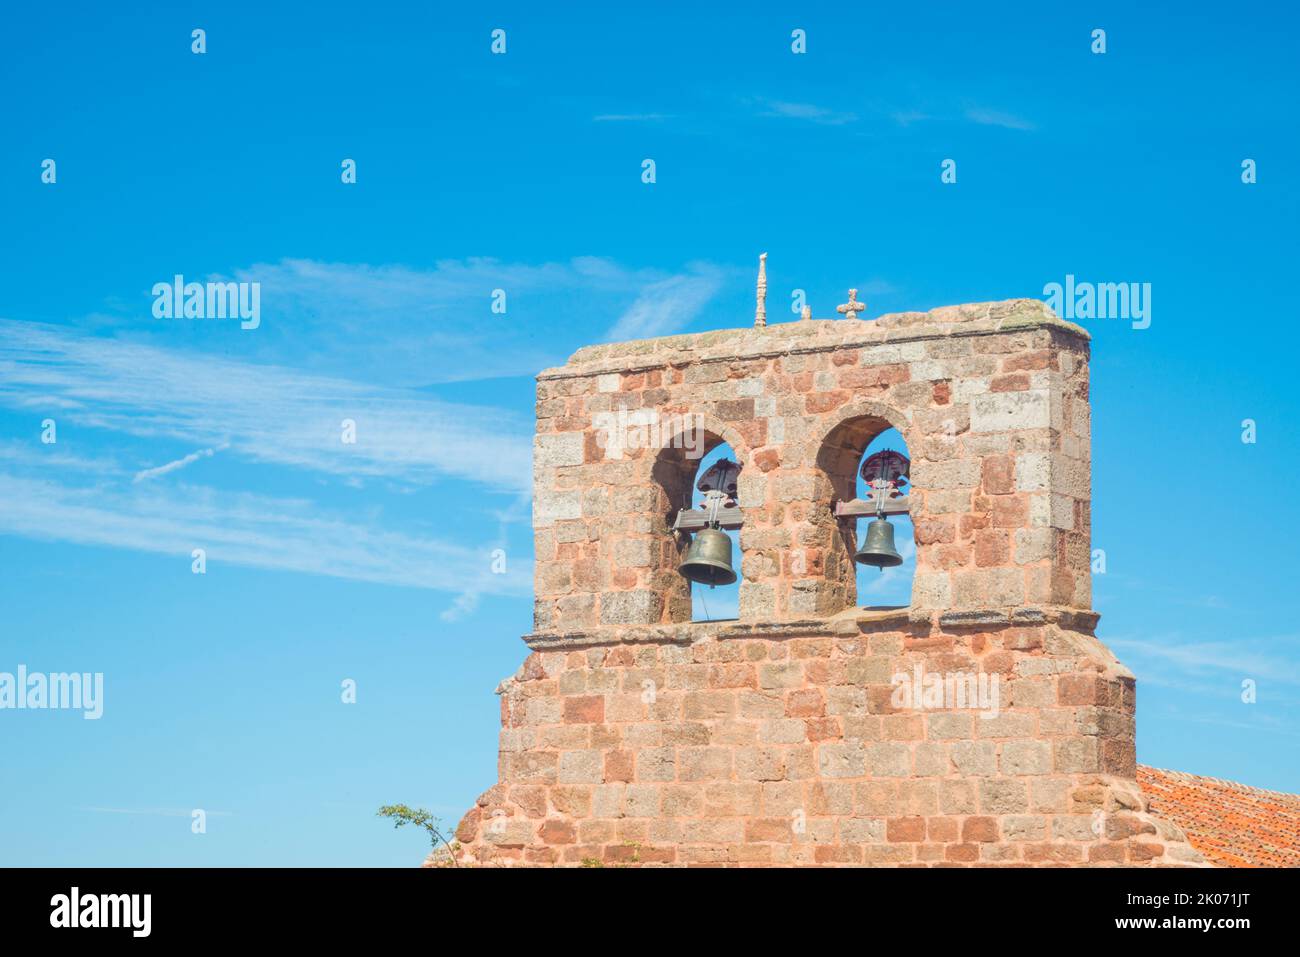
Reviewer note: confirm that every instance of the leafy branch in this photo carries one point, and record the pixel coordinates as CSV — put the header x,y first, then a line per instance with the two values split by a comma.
x,y
401,815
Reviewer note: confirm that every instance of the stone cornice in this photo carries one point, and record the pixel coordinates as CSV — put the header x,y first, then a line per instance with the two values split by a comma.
x,y
852,622
815,335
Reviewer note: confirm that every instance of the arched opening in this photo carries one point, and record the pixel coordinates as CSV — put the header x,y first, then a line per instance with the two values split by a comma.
x,y
886,587
716,602
840,458
690,447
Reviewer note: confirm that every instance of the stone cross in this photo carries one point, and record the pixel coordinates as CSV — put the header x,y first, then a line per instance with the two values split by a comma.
x,y
760,308
852,307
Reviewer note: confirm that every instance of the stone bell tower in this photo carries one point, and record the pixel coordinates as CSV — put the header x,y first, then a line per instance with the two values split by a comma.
x,y
982,724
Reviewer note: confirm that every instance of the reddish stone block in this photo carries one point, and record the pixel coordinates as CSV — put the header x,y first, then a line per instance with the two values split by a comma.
x,y
735,410
837,854
557,831
467,829
532,669
951,556
978,830
1030,361
805,703
1085,689
992,548
619,766
905,829
1139,851
622,854
1053,853
1009,512
999,475
823,729
657,855
1106,853
620,657
531,799
963,853
937,529
818,402
584,709
942,830
1017,382
737,675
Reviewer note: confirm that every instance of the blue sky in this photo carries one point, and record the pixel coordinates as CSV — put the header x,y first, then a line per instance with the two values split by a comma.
x,y
523,172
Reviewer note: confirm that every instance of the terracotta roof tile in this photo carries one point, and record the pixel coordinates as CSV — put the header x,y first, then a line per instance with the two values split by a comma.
x,y
1231,824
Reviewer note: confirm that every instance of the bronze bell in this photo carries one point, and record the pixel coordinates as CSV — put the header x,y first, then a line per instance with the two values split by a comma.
x,y
708,560
878,549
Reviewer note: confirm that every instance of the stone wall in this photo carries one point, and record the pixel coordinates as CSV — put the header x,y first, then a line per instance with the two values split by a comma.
x,y
632,735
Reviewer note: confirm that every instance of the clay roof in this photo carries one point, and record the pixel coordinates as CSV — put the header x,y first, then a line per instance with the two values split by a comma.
x,y
1231,824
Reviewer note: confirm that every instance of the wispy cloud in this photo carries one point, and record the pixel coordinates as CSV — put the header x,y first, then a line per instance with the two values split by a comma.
x,y
1248,658
805,111
416,326
260,412
241,528
667,306
263,415
177,464
987,117
466,603
21,455
294,395
1258,726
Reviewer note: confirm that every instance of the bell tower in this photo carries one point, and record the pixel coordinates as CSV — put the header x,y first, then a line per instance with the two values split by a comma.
x,y
982,723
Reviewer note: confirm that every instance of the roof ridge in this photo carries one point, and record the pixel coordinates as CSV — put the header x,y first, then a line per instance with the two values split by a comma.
x,y
1237,785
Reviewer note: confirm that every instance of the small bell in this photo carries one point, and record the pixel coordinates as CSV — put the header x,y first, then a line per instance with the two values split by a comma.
x,y
878,549
708,560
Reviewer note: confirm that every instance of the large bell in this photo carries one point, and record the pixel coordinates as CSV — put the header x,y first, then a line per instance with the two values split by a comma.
x,y
708,560
878,549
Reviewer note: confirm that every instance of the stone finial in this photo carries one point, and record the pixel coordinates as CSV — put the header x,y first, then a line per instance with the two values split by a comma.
x,y
760,309
806,312
851,308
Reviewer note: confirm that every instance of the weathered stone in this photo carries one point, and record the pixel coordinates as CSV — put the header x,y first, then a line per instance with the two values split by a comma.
x,y
558,449
635,736
1003,411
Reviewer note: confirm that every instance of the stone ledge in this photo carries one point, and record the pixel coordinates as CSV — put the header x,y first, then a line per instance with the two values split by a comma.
x,y
850,622
620,635
814,335
808,628
1079,619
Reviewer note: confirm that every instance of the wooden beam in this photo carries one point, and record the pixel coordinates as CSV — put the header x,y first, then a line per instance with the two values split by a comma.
x,y
859,507
690,520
